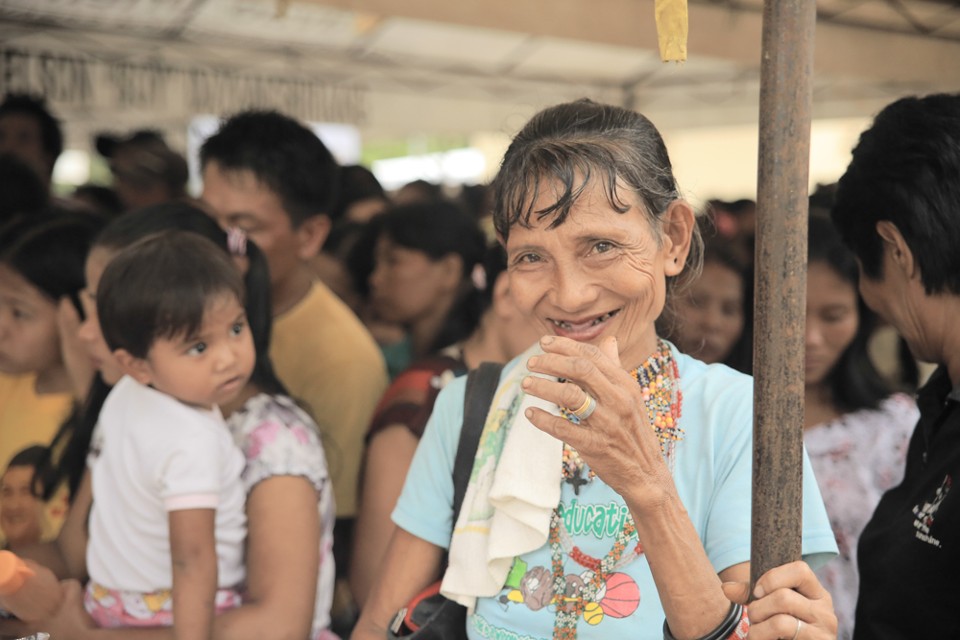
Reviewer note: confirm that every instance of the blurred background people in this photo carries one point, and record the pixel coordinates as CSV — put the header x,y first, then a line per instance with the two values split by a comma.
x,y
735,219
360,199
145,170
22,518
41,271
31,133
22,191
856,430
417,191
98,198
424,256
710,319
361,196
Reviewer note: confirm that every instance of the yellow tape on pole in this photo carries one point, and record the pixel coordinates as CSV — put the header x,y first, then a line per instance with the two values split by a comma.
x,y
672,20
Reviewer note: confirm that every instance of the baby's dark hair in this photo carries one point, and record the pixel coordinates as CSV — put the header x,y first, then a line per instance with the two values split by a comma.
x,y
160,288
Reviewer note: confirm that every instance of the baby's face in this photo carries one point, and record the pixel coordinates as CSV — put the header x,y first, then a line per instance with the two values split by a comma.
x,y
206,369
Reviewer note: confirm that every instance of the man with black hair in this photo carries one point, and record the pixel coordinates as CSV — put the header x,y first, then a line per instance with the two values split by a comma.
x,y
270,176
30,132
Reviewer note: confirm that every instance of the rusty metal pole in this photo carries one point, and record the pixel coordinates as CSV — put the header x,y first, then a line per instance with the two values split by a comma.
x,y
781,258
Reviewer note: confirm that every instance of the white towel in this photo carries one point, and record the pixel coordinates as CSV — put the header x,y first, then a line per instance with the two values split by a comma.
x,y
514,487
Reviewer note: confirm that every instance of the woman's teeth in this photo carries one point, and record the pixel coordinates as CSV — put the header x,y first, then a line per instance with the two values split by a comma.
x,y
563,324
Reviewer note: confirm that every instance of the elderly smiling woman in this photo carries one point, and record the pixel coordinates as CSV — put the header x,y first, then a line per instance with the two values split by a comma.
x,y
610,493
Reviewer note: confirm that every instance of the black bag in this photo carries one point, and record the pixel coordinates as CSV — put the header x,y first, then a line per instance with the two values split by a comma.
x,y
429,615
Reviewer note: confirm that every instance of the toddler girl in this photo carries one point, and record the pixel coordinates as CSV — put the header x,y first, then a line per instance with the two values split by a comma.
x,y
167,525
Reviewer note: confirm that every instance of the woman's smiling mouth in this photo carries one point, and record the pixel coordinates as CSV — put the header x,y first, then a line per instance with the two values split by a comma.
x,y
583,330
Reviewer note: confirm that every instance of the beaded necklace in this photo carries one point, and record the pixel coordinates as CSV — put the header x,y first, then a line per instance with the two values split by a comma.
x,y
659,381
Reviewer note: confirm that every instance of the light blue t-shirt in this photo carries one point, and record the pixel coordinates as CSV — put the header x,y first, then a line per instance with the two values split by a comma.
x,y
712,473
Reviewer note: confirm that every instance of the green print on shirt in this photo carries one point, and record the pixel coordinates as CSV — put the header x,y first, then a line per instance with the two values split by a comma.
x,y
603,521
487,630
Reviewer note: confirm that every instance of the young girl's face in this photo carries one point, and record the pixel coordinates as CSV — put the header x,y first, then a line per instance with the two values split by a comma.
x,y
29,341
710,314
406,284
89,333
206,369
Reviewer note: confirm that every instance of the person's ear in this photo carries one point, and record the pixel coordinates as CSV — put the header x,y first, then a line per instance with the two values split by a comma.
x,y
451,270
895,244
137,368
677,223
311,234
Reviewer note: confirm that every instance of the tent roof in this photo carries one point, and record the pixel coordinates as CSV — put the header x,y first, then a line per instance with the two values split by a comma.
x,y
395,68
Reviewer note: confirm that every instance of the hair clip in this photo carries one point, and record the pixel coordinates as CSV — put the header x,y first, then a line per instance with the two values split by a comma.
x,y
479,277
237,241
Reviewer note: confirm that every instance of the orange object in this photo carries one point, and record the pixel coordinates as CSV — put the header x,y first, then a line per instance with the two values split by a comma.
x,y
29,591
13,573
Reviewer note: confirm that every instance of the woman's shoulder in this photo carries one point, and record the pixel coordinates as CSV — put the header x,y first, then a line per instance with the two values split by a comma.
x,y
897,412
277,415
714,382
277,438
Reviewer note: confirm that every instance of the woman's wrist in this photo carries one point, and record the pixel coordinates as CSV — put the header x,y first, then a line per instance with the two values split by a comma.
x,y
733,627
650,495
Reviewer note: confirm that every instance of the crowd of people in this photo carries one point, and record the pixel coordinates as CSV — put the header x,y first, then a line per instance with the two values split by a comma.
x,y
239,415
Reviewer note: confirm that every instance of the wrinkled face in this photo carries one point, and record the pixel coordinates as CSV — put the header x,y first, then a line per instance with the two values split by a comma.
x,y
21,511
22,136
710,314
600,273
832,320
406,284
89,333
206,369
29,340
238,199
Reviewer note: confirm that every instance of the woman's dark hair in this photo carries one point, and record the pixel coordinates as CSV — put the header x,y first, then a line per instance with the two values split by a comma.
x,y
439,229
50,252
74,435
578,142
360,258
160,288
357,183
854,381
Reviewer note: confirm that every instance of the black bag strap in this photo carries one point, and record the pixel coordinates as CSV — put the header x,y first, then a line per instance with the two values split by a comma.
x,y
481,385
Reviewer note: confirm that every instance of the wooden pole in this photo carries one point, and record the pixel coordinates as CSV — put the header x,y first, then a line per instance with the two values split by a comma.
x,y
781,258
